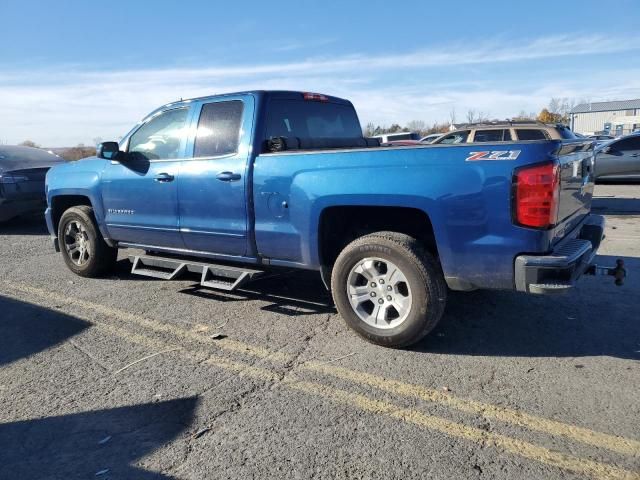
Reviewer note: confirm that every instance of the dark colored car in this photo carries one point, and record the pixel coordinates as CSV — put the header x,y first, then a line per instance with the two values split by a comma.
x,y
619,159
22,174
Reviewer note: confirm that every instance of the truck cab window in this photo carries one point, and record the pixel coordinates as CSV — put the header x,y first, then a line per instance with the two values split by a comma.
x,y
218,129
308,119
160,138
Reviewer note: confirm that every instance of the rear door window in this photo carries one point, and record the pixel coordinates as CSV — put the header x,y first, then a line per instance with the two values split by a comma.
x,y
456,137
311,119
531,134
218,129
483,136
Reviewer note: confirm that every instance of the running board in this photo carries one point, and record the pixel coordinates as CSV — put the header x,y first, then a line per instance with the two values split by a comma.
x,y
221,277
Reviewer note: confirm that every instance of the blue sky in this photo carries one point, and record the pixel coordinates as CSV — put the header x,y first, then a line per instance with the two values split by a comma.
x,y
72,71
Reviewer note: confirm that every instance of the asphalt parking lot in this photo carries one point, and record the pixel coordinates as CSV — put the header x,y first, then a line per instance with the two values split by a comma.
x,y
126,377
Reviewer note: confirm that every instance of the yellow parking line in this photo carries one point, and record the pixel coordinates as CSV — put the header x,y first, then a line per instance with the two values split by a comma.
x,y
518,447
515,417
590,437
411,416
167,328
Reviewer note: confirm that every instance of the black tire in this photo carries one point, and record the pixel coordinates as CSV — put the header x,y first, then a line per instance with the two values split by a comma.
x,y
423,276
100,258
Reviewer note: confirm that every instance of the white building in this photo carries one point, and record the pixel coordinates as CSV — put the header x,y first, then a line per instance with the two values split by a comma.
x,y
616,118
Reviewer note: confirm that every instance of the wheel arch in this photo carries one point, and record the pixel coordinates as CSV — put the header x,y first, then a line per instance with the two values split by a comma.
x,y
341,224
61,203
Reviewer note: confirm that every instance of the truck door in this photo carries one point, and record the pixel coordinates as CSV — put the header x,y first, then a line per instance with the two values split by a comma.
x,y
213,183
140,191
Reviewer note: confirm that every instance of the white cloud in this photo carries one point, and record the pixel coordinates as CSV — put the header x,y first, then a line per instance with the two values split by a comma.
x,y
58,107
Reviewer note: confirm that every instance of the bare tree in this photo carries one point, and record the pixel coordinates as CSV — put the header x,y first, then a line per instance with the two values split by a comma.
x,y
29,143
482,116
369,129
471,115
555,105
417,126
452,116
525,116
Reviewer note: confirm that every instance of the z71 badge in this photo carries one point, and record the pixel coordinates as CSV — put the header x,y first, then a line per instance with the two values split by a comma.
x,y
493,155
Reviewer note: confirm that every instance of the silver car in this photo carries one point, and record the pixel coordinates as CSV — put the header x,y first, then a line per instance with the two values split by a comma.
x,y
618,159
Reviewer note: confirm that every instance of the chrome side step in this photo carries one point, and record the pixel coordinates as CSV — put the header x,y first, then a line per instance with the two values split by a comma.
x,y
221,277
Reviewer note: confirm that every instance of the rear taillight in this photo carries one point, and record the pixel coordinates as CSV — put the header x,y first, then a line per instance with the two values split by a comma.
x,y
536,195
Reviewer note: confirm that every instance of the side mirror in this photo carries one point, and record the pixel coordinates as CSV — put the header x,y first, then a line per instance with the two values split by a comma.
x,y
108,150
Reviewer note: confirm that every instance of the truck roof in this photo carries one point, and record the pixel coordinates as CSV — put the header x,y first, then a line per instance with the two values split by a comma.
x,y
282,94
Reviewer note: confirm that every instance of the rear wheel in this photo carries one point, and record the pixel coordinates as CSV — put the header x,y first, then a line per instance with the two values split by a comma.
x,y
388,289
83,248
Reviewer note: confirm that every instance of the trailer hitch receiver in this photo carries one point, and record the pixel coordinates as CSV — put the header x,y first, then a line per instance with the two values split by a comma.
x,y
619,272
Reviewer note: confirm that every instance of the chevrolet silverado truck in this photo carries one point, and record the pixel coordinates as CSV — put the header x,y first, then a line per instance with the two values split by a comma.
x,y
229,186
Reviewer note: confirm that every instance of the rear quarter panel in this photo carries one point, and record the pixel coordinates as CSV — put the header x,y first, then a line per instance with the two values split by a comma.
x,y
468,202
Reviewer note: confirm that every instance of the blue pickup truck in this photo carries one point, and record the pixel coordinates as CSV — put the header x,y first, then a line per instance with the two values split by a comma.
x,y
229,186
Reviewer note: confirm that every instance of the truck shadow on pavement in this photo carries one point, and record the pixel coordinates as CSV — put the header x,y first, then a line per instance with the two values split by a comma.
x,y
27,329
96,444
595,319
69,446
291,293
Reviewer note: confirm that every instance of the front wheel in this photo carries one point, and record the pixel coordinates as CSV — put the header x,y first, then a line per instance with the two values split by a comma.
x,y
388,289
83,248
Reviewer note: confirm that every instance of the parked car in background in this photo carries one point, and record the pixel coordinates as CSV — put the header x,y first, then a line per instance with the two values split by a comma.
x,y
22,175
618,159
601,137
399,136
402,143
431,137
506,132
410,142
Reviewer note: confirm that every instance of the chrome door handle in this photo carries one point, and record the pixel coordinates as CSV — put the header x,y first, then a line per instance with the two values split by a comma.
x,y
228,176
164,177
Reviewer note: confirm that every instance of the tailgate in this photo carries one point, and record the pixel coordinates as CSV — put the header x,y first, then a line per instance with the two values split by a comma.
x,y
576,160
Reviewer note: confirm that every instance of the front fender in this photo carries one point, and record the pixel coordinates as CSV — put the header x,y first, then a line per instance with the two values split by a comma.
x,y
78,179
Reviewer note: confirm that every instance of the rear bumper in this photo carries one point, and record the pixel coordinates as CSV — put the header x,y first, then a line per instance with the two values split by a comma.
x,y
556,272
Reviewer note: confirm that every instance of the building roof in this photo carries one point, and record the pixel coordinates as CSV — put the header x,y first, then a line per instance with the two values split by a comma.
x,y
606,106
